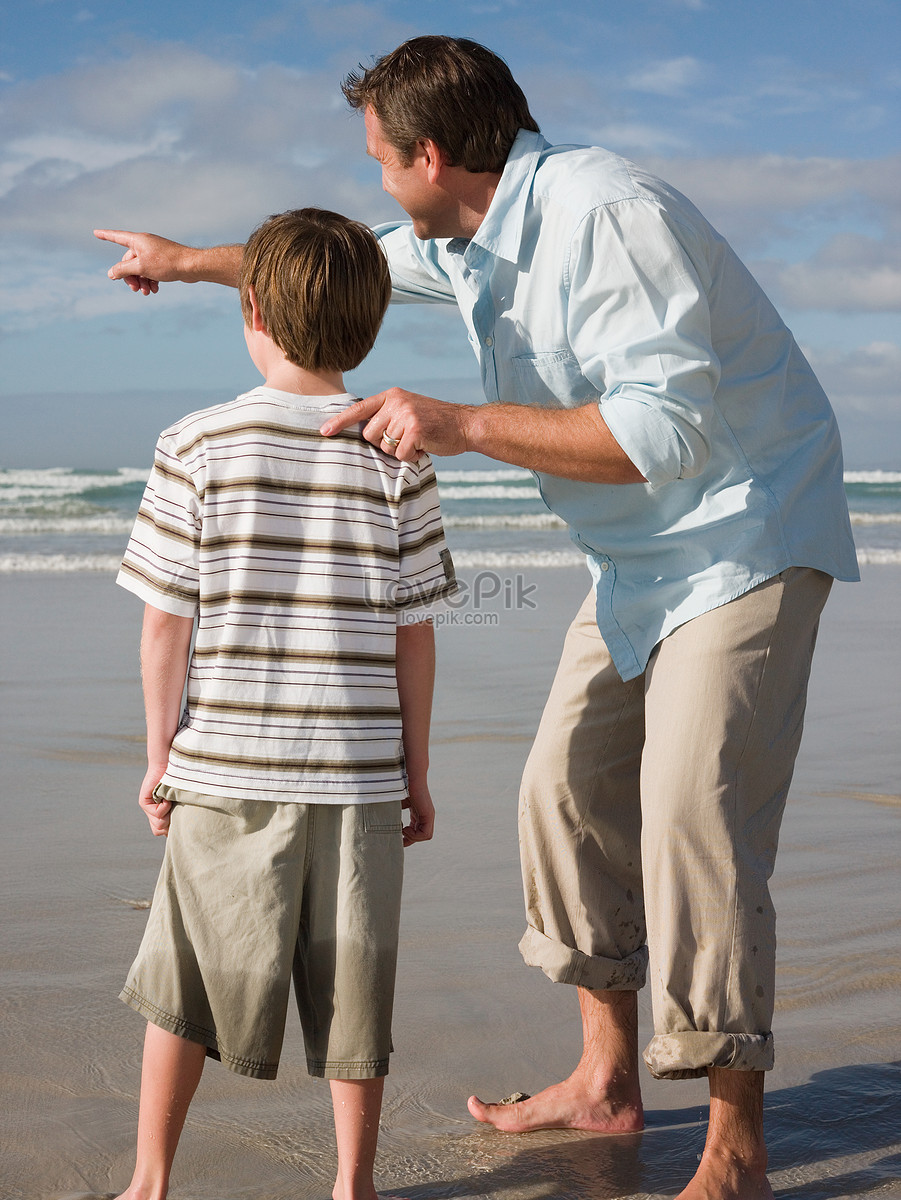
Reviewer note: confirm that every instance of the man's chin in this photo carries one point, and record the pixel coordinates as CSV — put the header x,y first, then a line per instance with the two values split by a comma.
x,y
427,231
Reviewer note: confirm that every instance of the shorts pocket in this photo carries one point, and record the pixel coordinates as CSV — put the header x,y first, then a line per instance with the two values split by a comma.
x,y
382,818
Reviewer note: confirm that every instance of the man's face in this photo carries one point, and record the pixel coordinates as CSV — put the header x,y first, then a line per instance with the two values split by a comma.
x,y
429,206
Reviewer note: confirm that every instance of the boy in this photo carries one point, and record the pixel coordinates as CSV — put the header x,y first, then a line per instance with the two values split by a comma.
x,y
309,568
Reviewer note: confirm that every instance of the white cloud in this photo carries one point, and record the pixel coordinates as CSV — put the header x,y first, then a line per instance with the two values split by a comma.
x,y
169,141
632,138
780,181
851,273
864,389
667,77
124,97
758,199
66,155
364,19
61,289
175,141
197,148
865,379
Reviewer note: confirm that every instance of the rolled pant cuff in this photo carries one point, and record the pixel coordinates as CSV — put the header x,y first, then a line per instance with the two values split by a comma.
x,y
562,964
688,1055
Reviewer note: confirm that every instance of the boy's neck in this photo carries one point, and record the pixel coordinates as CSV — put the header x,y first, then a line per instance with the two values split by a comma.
x,y
287,377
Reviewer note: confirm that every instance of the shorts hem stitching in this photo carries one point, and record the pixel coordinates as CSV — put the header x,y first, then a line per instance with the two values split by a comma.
x,y
372,1068
181,1027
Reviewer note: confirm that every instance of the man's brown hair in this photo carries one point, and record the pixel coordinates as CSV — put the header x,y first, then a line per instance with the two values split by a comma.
x,y
452,90
322,285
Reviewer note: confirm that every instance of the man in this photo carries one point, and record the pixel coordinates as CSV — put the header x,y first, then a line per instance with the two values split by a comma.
x,y
635,366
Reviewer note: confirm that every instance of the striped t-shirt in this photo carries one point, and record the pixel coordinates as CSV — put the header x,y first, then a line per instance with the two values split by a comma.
x,y
298,554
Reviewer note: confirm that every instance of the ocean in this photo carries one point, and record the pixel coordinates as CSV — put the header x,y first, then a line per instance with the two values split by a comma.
x,y
66,520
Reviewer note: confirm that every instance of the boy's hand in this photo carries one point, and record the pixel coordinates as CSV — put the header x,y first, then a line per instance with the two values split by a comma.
x,y
422,817
157,812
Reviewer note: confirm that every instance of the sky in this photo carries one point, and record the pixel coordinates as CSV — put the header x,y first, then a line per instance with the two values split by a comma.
x,y
779,118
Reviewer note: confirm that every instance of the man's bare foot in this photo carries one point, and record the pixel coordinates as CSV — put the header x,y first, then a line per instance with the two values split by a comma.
x,y
733,1165
720,1177
567,1105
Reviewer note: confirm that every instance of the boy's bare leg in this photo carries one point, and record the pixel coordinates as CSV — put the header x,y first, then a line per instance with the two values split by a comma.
x,y
733,1165
169,1076
358,1105
603,1093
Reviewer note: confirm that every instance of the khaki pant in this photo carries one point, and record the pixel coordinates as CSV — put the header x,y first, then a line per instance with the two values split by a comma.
x,y
650,814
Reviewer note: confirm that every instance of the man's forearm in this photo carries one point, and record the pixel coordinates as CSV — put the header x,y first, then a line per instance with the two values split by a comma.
x,y
574,443
571,443
212,264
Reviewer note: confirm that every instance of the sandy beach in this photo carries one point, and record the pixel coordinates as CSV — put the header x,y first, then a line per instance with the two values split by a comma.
x,y
79,864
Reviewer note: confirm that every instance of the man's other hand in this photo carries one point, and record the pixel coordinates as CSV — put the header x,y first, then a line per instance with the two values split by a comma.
x,y
412,423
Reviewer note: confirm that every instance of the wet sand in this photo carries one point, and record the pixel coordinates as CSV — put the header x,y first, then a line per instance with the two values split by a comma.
x,y
78,867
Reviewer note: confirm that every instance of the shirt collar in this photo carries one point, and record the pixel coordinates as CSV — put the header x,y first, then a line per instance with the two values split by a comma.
x,y
500,232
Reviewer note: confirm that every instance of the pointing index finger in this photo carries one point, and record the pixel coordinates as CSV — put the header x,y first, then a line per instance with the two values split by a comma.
x,y
361,411
119,236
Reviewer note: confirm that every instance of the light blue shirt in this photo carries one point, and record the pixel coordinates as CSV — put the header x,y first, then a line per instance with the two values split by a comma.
x,y
590,281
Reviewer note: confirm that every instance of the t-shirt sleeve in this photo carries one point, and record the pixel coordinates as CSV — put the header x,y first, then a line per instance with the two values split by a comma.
x,y
161,562
426,569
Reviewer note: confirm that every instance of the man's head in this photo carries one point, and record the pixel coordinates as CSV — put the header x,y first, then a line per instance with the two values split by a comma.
x,y
450,90
321,285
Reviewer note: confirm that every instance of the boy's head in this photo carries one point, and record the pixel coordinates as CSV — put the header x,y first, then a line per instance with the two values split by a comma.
x,y
321,284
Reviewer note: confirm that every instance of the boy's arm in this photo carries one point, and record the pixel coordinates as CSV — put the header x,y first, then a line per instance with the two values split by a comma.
x,y
150,260
415,683
165,644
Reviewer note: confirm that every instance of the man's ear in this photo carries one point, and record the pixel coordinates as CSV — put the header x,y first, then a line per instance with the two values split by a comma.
x,y
256,319
434,158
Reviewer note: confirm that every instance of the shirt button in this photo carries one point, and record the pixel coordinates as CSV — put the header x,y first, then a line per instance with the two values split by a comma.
x,y
489,341
605,566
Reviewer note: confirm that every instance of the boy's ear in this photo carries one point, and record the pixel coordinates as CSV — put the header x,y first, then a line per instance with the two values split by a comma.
x,y
256,319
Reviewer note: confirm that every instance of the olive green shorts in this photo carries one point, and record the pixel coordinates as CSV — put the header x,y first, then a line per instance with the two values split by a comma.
x,y
252,893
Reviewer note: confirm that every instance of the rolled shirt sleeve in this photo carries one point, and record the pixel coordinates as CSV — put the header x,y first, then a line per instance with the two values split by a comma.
x,y
640,328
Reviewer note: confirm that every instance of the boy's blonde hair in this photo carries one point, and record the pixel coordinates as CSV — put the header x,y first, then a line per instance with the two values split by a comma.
x,y
322,286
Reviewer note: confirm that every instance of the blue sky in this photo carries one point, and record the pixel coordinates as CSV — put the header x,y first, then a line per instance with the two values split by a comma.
x,y
779,119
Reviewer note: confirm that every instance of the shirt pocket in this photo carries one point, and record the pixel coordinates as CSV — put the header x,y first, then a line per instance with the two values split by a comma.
x,y
383,817
551,379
